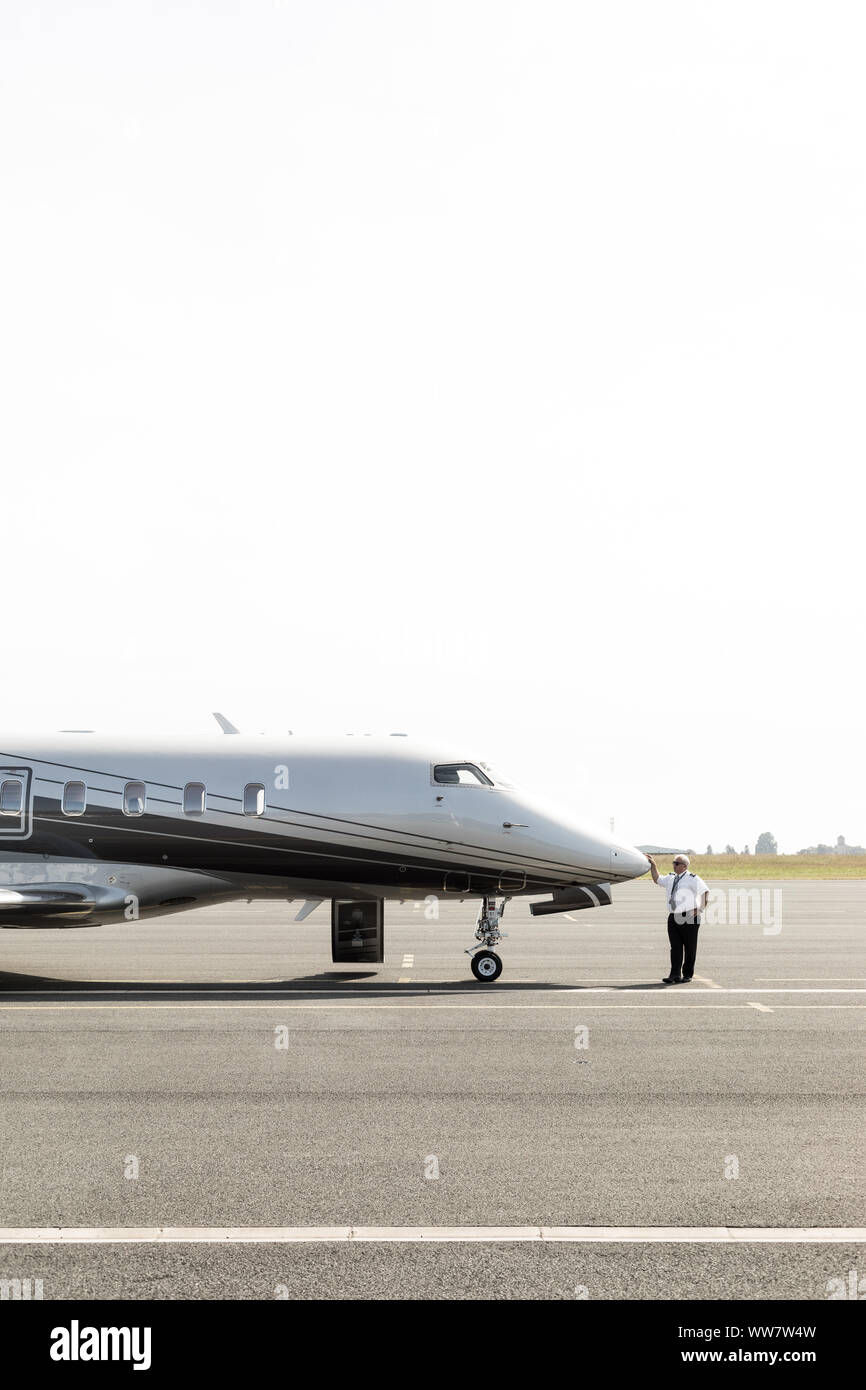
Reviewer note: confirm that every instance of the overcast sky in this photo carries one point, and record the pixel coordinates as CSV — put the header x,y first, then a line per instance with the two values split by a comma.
x,y
491,371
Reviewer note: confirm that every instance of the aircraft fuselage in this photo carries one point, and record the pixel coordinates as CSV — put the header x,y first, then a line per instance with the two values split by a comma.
x,y
173,822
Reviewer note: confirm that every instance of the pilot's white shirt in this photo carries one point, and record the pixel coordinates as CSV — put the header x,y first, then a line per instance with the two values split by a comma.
x,y
688,893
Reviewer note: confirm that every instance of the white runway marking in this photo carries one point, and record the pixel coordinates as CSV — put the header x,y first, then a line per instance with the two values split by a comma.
x,y
287,1235
761,1007
366,993
283,1004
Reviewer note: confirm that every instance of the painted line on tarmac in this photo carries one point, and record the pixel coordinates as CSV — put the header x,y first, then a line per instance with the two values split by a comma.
x,y
762,1008
284,1004
288,1235
428,990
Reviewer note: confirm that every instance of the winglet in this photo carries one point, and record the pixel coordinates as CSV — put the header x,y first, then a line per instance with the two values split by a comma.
x,y
225,724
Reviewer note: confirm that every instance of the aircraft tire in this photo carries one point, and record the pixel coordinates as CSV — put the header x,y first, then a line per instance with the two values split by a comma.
x,y
486,966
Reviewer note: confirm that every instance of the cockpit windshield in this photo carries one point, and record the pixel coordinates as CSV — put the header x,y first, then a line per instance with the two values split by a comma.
x,y
497,779
460,775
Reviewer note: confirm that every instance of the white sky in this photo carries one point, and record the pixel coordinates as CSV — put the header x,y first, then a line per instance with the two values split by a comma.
x,y
488,370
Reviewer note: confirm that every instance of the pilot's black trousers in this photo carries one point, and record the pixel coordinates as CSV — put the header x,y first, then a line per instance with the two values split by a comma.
x,y
683,936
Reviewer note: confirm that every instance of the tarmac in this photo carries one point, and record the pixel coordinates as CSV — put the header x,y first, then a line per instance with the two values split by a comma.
x,y
203,1106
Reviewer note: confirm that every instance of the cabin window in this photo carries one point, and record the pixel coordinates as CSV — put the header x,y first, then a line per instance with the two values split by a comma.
x,y
11,797
254,799
134,799
194,799
460,775
74,800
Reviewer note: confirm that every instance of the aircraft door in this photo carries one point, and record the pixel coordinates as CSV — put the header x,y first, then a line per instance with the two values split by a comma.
x,y
15,803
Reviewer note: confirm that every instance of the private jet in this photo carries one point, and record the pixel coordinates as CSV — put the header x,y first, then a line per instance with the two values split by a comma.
x,y
97,829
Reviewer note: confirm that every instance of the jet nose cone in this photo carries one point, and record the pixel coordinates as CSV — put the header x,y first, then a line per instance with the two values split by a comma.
x,y
626,862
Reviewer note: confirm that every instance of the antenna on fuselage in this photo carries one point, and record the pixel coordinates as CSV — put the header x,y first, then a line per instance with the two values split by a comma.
x,y
225,724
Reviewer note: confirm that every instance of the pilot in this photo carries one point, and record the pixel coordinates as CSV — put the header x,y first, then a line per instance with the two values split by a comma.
x,y
687,896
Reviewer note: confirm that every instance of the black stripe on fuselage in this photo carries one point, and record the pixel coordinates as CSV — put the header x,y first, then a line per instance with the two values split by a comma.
x,y
125,839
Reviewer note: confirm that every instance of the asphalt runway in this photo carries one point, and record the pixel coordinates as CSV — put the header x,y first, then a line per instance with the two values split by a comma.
x,y
214,1070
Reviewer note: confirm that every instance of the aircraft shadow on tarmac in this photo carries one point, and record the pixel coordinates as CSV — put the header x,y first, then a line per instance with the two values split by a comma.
x,y
326,983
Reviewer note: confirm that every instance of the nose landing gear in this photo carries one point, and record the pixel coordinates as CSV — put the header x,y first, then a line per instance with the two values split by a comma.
x,y
486,964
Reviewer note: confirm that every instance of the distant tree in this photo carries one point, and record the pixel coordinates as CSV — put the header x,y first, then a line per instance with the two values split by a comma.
x,y
729,849
709,849
745,849
765,844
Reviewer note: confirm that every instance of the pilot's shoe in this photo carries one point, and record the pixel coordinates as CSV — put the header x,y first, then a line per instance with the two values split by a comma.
x,y
672,980
686,979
